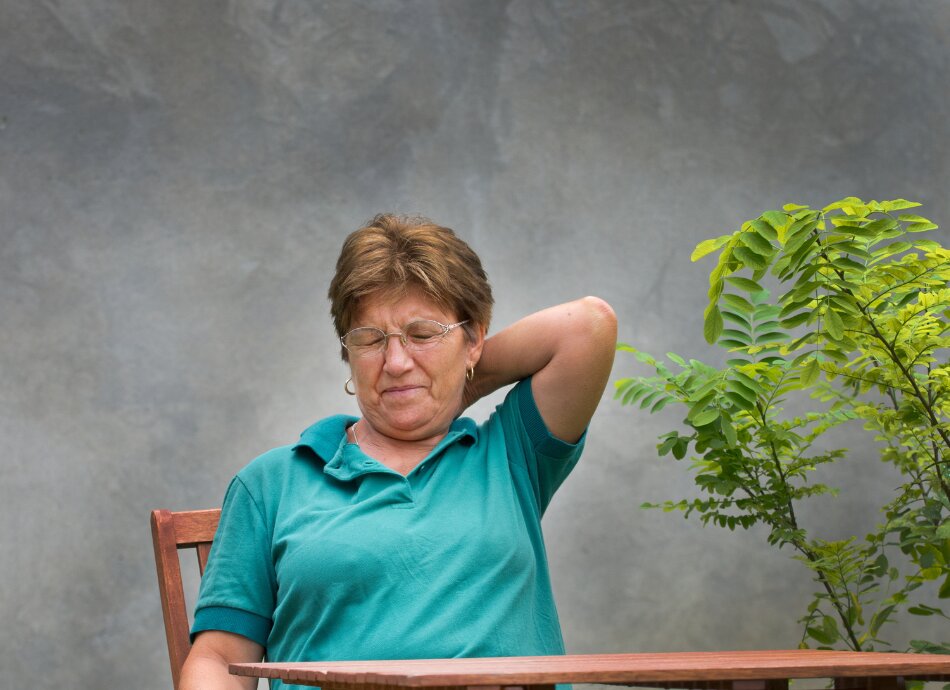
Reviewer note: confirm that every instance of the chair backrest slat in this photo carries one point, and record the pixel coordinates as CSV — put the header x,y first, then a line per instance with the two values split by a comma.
x,y
170,533
203,551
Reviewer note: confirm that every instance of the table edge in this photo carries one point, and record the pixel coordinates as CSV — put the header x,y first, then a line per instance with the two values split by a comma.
x,y
751,665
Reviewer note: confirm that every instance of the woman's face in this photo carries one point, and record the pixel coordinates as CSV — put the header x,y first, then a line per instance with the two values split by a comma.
x,y
408,395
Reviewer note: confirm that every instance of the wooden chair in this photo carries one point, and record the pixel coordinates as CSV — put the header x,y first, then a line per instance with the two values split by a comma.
x,y
170,533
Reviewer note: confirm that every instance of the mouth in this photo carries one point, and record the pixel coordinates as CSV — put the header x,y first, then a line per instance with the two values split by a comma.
x,y
401,390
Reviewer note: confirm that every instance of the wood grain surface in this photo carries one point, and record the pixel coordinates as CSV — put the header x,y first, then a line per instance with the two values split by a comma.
x,y
622,669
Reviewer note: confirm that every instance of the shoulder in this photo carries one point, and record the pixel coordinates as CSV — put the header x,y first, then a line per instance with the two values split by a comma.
x,y
266,463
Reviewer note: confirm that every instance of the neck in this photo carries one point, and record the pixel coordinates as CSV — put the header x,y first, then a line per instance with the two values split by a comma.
x,y
397,454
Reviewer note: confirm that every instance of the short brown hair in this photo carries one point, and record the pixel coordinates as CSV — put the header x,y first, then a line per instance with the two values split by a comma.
x,y
392,254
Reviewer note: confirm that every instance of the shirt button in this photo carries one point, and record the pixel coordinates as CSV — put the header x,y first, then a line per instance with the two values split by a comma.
x,y
368,463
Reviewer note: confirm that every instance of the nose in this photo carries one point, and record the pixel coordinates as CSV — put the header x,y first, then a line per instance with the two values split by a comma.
x,y
398,360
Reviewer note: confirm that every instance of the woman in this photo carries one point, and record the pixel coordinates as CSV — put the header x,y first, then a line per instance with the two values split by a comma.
x,y
409,532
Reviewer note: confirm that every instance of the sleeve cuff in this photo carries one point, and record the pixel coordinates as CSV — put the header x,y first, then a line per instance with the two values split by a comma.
x,y
544,443
245,623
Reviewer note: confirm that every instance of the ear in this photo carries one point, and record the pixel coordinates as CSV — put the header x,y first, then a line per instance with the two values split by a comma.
x,y
475,346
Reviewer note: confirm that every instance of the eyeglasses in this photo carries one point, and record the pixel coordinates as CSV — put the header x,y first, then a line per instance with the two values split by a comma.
x,y
415,337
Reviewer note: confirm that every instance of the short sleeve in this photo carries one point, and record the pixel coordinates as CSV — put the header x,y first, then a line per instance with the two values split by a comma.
x,y
238,589
548,460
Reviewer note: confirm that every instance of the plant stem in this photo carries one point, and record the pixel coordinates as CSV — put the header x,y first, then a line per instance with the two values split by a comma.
x,y
803,547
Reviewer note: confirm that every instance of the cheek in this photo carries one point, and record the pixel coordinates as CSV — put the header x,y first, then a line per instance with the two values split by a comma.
x,y
363,373
451,374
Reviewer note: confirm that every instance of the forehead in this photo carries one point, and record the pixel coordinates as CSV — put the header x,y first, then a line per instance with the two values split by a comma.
x,y
394,310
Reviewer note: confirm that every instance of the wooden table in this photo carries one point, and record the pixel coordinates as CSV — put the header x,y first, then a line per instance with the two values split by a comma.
x,y
748,670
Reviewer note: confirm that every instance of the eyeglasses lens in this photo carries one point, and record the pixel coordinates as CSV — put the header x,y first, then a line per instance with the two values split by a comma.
x,y
417,335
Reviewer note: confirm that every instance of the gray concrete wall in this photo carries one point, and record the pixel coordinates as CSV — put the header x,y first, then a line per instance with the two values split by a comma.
x,y
176,178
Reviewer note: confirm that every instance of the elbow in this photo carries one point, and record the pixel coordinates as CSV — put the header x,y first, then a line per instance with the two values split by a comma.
x,y
601,320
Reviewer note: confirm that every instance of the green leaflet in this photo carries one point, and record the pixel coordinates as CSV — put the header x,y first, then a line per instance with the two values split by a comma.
x,y
847,264
791,305
799,230
765,323
846,203
734,334
743,391
712,324
805,250
757,243
728,431
770,337
738,401
737,319
944,591
708,247
776,219
765,230
745,284
796,320
834,324
739,304
673,357
750,258
845,304
809,373
760,388
898,205
705,417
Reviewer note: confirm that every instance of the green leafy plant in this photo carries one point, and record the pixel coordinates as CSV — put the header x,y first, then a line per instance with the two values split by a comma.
x,y
860,333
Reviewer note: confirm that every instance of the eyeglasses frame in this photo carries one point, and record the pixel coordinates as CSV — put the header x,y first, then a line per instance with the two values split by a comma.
x,y
446,329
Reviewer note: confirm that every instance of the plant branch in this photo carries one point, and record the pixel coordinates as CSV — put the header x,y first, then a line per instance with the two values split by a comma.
x,y
902,283
890,387
891,350
935,423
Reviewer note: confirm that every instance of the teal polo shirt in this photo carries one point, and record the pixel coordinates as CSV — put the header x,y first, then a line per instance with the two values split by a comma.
x,y
323,553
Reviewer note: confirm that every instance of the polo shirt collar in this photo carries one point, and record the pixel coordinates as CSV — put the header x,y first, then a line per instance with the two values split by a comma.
x,y
323,438
327,439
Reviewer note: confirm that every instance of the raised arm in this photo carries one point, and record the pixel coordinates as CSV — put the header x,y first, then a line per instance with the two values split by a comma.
x,y
567,349
206,667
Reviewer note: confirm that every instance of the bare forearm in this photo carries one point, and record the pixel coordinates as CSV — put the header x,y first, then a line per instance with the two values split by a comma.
x,y
206,667
212,674
516,352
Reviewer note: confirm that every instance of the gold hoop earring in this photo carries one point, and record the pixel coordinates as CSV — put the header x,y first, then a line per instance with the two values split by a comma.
x,y
346,386
470,374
